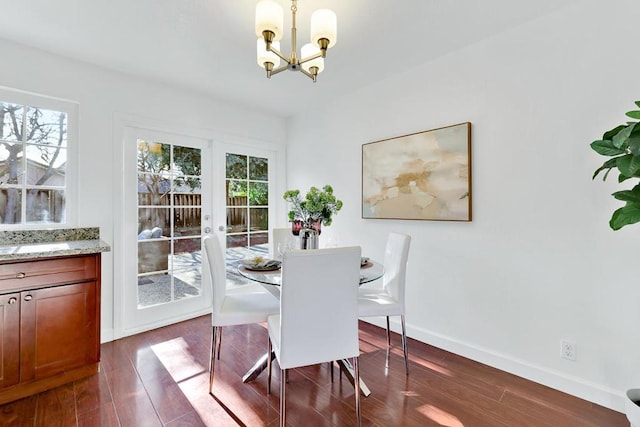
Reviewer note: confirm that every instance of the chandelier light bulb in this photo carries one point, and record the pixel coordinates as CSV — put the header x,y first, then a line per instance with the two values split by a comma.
x,y
324,25
266,56
269,17
310,50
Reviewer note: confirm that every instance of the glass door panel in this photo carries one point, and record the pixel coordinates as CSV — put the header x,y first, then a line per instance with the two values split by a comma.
x,y
247,189
169,222
247,183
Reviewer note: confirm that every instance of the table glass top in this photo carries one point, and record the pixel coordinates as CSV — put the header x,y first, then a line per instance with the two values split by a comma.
x,y
369,272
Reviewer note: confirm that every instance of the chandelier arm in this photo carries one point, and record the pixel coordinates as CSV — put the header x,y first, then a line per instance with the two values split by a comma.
x,y
279,70
308,74
277,52
310,58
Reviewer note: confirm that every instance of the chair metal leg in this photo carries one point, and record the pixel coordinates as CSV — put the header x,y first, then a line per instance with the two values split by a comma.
x,y
215,348
386,364
405,347
269,369
283,415
219,341
356,387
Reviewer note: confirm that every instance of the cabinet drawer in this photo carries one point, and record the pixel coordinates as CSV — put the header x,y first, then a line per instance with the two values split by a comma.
x,y
30,274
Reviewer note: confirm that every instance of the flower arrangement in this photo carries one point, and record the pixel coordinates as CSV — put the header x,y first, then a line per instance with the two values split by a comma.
x,y
318,206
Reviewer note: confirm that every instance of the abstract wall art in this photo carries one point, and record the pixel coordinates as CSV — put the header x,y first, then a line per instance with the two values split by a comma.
x,y
424,175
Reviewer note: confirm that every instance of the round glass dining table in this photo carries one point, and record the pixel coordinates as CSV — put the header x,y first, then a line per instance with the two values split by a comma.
x,y
369,271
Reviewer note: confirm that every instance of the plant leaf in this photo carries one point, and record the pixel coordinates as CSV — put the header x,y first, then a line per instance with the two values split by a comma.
x,y
628,165
606,148
608,165
638,103
632,195
620,139
626,215
611,133
634,114
622,177
634,145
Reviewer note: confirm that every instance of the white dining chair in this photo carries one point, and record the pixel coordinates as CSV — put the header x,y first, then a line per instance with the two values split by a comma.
x,y
279,237
389,299
318,320
243,305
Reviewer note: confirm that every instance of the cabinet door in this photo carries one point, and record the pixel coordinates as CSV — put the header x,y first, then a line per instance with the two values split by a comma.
x,y
58,330
9,339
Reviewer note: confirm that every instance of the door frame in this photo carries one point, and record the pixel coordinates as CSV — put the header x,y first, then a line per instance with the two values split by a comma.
x,y
217,140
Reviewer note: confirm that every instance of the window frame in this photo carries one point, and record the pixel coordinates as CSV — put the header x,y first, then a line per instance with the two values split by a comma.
x,y
71,108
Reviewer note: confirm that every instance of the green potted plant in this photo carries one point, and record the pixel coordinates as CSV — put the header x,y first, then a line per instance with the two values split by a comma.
x,y
622,145
316,208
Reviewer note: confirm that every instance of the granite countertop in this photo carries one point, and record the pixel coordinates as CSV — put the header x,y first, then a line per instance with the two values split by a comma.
x,y
31,244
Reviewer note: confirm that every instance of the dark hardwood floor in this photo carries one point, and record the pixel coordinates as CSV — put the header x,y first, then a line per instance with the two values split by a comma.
x,y
160,378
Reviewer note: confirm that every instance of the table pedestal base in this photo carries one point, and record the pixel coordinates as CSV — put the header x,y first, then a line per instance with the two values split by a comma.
x,y
345,367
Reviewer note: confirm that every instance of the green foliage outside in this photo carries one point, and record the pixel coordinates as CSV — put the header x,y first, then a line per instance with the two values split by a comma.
x,y
239,169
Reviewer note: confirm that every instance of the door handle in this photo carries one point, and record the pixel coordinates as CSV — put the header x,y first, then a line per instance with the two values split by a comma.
x,y
207,230
13,300
28,297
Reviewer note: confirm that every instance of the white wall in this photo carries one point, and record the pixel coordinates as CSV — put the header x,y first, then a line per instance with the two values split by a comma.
x,y
538,262
104,99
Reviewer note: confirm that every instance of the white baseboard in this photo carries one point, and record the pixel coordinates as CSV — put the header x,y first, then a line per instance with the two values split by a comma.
x,y
596,393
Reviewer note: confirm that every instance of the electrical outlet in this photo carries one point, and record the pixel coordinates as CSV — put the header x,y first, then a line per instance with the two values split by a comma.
x,y
568,349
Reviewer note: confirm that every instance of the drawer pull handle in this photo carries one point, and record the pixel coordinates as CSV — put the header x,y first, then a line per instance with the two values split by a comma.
x,y
28,297
21,275
13,300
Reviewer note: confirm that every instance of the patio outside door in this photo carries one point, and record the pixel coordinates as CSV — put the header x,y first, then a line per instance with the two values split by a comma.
x,y
168,202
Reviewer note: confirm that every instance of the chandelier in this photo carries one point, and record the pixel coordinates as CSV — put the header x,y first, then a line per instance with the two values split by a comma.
x,y
269,24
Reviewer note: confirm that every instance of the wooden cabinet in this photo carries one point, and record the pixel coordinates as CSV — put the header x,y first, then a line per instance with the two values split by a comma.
x,y
49,323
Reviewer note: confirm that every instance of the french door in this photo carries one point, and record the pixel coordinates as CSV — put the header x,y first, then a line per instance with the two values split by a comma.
x,y
246,202
167,204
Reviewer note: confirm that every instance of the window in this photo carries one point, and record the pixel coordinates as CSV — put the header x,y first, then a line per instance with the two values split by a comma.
x,y
34,149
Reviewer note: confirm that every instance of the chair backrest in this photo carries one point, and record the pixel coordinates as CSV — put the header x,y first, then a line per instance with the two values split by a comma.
x,y
214,266
396,255
319,306
278,236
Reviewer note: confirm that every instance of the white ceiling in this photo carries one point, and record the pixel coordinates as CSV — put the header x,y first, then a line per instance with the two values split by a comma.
x,y
209,45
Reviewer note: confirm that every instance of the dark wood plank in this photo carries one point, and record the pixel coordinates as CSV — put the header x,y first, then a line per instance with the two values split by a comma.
x,y
188,420
56,407
104,416
19,413
133,406
92,393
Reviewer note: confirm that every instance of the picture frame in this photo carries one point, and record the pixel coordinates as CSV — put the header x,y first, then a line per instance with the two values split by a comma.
x,y
419,176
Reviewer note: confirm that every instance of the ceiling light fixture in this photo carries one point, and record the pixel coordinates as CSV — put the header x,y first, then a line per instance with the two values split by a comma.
x,y
269,23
